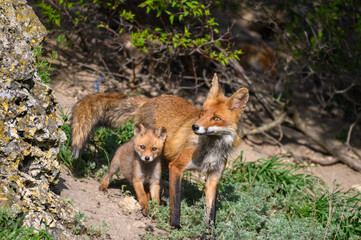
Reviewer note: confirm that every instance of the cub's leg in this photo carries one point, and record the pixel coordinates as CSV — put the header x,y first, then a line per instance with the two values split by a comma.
x,y
141,195
114,168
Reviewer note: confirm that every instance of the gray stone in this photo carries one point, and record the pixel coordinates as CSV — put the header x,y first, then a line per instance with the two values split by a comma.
x,y
30,133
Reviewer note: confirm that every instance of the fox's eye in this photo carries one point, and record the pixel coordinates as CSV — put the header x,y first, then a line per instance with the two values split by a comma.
x,y
142,146
154,149
202,112
216,118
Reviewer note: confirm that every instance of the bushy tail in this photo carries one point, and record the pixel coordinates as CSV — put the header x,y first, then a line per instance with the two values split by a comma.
x,y
101,109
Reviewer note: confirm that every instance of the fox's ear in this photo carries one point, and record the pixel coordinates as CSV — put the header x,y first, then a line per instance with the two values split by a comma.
x,y
139,129
239,99
215,89
161,133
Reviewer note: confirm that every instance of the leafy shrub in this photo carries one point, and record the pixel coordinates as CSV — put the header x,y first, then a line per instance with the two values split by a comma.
x,y
169,34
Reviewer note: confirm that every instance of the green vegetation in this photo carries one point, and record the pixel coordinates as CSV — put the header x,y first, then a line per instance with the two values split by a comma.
x,y
330,29
79,220
43,66
96,232
11,227
173,28
323,39
268,200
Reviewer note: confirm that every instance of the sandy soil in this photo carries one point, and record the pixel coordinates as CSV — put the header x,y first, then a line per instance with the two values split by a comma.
x,y
121,212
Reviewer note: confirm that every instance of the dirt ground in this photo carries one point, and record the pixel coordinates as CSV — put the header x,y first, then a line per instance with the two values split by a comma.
x,y
121,212
114,214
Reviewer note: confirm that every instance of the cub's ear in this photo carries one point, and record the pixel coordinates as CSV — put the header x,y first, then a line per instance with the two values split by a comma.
x,y
161,133
238,100
139,129
215,89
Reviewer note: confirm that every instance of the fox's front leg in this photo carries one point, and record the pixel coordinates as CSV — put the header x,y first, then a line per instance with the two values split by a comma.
x,y
211,195
155,183
176,169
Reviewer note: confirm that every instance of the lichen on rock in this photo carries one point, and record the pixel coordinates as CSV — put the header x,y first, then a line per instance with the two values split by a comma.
x,y
30,126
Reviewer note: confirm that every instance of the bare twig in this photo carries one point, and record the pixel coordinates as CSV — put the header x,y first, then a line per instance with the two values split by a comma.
x,y
343,91
350,131
267,126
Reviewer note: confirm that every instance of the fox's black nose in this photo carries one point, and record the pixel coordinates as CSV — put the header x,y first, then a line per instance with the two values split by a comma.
x,y
195,127
146,158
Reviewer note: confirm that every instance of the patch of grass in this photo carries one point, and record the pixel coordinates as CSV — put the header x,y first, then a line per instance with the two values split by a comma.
x,y
79,220
267,199
98,231
11,227
94,232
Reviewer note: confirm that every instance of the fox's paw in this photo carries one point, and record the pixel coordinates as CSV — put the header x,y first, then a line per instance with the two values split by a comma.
x,y
103,188
144,212
175,226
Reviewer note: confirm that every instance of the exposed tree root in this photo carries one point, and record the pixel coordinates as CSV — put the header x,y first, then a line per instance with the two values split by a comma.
x,y
325,144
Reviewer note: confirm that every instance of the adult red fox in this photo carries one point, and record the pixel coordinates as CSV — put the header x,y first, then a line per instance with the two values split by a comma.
x,y
199,140
139,162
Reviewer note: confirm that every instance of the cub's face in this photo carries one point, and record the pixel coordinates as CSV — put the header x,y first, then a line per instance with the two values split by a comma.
x,y
148,144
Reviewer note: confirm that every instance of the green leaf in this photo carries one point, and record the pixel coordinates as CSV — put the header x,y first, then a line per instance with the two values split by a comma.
x,y
76,20
171,19
57,21
189,4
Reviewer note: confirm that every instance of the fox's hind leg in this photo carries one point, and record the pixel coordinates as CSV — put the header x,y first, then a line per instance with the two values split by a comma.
x,y
176,169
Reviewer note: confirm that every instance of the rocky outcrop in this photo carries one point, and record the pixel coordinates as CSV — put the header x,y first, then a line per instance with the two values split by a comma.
x,y
30,134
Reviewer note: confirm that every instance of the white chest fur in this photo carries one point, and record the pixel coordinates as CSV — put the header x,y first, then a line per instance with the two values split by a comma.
x,y
212,152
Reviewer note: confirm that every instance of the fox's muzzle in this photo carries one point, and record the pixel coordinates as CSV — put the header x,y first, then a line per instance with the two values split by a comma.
x,y
199,130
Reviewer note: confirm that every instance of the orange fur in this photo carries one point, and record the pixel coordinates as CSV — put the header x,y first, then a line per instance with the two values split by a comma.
x,y
99,109
196,140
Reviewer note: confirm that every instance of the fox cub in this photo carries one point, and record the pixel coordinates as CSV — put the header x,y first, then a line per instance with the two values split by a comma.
x,y
139,161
